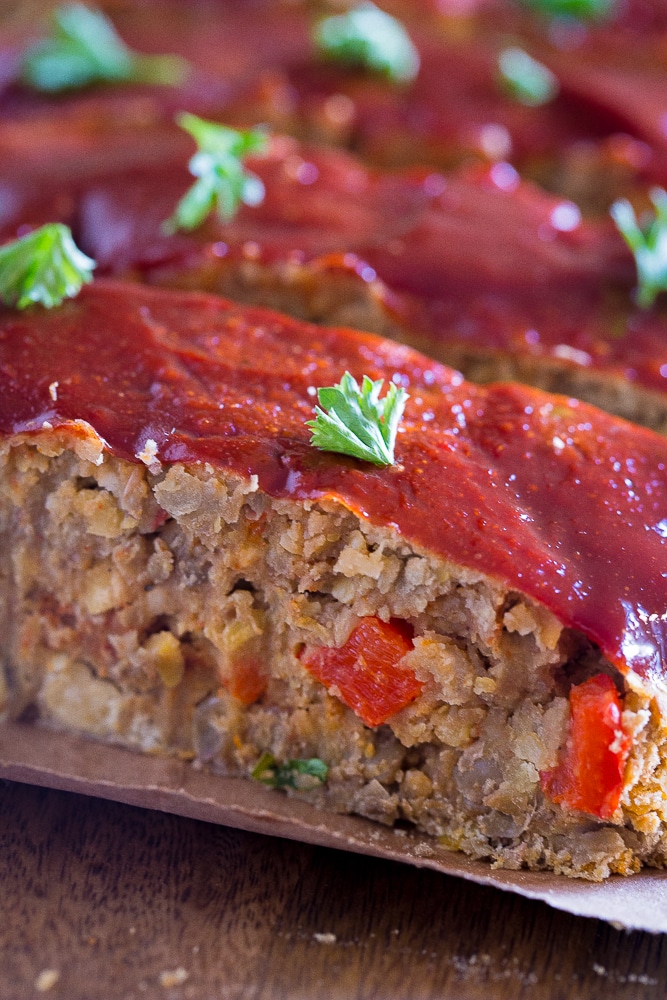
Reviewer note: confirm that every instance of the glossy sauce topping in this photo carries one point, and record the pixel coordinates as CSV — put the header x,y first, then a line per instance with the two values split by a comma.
x,y
551,496
224,43
479,259
482,261
256,61
610,79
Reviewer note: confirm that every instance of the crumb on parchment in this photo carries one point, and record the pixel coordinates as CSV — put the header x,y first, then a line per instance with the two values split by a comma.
x,y
46,980
173,977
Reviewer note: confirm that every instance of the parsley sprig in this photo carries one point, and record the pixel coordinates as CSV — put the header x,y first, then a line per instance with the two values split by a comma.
x,y
369,38
84,48
300,774
578,10
223,182
648,243
44,267
358,422
526,79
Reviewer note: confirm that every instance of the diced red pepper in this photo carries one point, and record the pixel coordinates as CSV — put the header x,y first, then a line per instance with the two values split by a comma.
x,y
247,680
367,672
589,774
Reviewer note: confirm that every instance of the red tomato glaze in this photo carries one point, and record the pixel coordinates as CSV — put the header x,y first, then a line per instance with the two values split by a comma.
x,y
479,260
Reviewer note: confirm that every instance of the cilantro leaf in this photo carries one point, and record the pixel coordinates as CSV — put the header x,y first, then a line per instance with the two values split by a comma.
x,y
358,422
45,267
648,243
84,48
222,182
300,774
579,10
525,78
368,37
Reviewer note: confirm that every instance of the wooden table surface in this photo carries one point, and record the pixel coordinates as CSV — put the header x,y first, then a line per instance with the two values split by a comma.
x,y
101,900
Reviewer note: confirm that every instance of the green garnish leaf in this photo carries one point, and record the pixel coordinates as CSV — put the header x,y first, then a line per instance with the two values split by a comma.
x,y
358,422
84,48
46,266
648,243
300,774
223,183
578,10
369,38
526,79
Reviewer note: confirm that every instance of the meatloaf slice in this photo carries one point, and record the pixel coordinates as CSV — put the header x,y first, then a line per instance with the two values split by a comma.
x,y
472,639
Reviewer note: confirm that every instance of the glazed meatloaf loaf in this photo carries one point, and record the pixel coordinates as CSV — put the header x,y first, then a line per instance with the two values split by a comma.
x,y
460,256
478,269
472,639
597,125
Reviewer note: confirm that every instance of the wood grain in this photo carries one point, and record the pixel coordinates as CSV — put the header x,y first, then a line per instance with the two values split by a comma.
x,y
126,903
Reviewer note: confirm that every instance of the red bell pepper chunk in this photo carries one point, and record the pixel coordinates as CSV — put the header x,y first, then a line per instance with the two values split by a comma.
x,y
589,774
366,672
247,680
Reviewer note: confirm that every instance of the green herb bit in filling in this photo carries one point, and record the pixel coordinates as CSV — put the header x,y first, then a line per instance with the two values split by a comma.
x,y
44,267
369,38
358,422
526,79
303,775
648,243
84,48
223,183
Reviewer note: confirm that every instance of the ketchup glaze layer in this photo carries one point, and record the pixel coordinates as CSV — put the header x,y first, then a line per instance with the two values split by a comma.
x,y
547,495
479,259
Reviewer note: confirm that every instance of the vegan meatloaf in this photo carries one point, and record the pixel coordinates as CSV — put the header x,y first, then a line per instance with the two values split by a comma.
x,y
480,269
472,640
474,264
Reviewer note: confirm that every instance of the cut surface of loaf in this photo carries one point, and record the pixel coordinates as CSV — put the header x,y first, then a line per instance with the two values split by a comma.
x,y
471,640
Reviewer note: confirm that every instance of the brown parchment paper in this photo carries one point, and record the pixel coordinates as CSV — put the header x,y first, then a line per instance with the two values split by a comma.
x,y
55,760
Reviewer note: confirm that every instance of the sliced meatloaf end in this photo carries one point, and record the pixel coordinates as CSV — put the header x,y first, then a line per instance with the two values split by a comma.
x,y
471,639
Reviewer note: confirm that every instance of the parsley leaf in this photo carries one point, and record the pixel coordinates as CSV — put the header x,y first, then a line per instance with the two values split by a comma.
x,y
46,266
222,180
648,243
84,48
368,37
525,78
303,775
580,10
358,423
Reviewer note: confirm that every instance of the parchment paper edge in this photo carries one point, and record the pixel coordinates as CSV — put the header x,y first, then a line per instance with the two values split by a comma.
x,y
56,760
